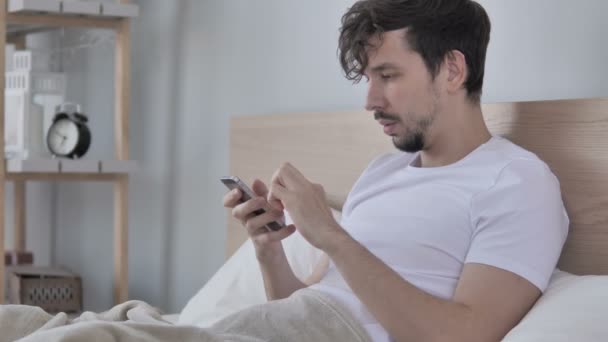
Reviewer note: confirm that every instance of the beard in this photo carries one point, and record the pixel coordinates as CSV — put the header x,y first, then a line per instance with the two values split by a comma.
x,y
414,139
411,143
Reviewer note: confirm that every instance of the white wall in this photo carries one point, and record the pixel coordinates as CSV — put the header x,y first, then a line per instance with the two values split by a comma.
x,y
546,49
196,63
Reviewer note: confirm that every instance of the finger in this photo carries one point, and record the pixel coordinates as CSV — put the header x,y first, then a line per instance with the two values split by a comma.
x,y
285,175
276,177
279,175
318,188
259,188
243,210
291,175
273,236
295,172
277,196
232,198
260,221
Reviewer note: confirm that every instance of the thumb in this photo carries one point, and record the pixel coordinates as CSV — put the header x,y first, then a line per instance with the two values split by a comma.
x,y
259,188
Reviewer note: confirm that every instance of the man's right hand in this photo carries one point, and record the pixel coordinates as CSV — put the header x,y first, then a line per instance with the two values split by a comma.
x,y
267,243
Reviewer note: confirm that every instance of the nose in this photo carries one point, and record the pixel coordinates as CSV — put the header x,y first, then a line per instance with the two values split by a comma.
x,y
375,99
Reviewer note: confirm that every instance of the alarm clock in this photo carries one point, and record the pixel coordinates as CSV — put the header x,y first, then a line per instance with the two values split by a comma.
x,y
69,135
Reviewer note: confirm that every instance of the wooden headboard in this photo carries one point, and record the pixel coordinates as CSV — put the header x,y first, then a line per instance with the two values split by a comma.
x,y
333,149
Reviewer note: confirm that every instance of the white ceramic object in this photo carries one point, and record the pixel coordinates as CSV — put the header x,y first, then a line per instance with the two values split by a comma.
x,y
9,51
76,7
119,10
33,165
34,6
36,82
16,108
27,60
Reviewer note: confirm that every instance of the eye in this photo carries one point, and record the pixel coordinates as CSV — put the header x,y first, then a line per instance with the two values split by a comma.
x,y
386,77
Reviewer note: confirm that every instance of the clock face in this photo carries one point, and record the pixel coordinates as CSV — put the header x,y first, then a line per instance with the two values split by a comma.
x,y
63,137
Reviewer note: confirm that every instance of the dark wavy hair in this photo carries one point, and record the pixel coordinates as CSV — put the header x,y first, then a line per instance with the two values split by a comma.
x,y
434,29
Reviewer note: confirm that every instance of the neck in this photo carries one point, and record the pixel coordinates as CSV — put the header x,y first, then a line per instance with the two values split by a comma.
x,y
465,131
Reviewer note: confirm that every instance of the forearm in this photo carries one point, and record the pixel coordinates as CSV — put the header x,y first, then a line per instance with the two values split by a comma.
x,y
279,279
412,315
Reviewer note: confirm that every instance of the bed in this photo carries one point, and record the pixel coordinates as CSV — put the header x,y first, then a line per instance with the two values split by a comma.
x,y
332,148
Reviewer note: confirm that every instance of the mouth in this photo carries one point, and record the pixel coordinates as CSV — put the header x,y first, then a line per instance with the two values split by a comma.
x,y
389,126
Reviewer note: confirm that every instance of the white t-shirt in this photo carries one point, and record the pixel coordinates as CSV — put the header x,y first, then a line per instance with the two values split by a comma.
x,y
500,206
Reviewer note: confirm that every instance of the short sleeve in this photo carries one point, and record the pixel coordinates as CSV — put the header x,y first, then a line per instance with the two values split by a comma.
x,y
519,223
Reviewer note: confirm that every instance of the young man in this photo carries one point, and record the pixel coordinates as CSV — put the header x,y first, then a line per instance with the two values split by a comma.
x,y
452,239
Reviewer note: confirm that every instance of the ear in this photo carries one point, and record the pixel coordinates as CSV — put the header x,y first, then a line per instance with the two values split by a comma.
x,y
457,70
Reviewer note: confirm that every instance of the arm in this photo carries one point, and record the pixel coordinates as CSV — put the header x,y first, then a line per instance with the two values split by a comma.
x,y
519,224
280,281
488,301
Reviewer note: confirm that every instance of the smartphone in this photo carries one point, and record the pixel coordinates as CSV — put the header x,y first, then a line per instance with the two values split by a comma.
x,y
233,182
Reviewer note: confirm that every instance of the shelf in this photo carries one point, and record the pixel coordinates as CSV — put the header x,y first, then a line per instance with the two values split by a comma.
x,y
19,24
65,169
28,16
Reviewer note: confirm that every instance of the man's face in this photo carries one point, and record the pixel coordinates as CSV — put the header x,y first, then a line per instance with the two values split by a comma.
x,y
401,92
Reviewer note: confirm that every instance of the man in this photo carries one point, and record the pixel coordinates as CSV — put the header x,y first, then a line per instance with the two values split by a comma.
x,y
452,239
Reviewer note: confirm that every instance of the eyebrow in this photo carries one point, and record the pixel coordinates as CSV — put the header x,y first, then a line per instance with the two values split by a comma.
x,y
383,67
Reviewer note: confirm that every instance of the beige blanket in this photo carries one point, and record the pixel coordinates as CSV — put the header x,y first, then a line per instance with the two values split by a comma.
x,y
307,315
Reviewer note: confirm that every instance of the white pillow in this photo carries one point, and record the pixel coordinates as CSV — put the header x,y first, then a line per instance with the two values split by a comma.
x,y
238,284
573,308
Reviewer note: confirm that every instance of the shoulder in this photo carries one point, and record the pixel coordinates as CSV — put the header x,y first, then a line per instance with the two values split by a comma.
x,y
512,163
522,166
521,184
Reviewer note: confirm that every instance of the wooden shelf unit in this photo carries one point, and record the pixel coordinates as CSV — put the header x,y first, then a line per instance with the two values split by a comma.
x,y
13,28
